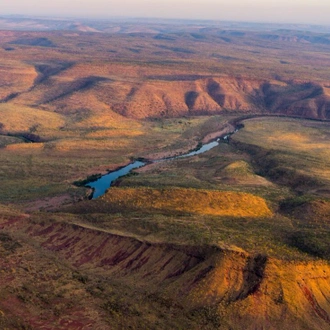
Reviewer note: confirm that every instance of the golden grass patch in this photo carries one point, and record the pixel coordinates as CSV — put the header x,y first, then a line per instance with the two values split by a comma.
x,y
221,203
16,76
239,167
114,133
242,173
21,118
25,146
292,138
285,134
301,145
80,144
108,120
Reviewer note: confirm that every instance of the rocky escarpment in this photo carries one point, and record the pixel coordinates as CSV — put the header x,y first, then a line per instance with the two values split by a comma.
x,y
215,95
164,96
235,289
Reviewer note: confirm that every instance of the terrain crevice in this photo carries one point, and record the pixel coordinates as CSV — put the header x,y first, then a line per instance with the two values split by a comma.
x,y
234,238
69,88
248,287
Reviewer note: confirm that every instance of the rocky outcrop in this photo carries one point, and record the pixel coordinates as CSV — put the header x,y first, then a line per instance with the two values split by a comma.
x,y
170,97
237,290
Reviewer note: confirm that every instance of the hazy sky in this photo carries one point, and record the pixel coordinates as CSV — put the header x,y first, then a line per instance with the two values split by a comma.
x,y
295,11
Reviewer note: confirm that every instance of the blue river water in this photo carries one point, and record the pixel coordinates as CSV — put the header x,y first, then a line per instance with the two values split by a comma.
x,y
101,185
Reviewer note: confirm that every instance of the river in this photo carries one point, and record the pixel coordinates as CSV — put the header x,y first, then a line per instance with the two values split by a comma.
x,y
101,185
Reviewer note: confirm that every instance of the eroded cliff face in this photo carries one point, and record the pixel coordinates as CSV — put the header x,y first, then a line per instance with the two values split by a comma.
x,y
204,96
234,289
212,95
254,292
166,95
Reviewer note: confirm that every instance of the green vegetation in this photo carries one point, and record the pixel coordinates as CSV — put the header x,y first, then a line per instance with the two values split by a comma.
x,y
236,233
91,178
58,163
237,166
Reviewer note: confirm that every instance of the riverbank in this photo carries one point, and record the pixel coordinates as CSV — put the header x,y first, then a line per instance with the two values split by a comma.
x,y
103,183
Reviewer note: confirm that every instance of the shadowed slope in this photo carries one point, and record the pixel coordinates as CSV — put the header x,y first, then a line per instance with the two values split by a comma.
x,y
224,288
163,98
145,75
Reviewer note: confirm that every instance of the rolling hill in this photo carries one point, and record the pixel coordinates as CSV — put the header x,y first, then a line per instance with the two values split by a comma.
x,y
233,238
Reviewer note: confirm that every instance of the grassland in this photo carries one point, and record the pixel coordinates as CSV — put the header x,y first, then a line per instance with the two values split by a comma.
x,y
159,75
188,200
295,153
77,150
235,167
237,237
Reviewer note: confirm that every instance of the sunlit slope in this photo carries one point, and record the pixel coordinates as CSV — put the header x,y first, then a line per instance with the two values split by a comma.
x,y
68,148
146,75
16,76
204,286
188,200
256,292
137,96
291,152
17,118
